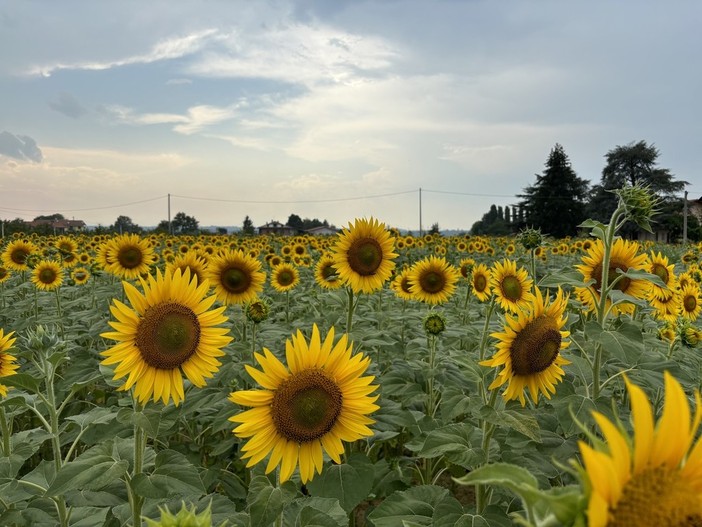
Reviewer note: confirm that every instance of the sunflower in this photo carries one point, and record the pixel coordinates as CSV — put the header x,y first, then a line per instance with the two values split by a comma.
x,y
237,277
317,402
15,255
190,260
5,274
480,282
654,477
128,256
401,285
285,277
623,257
466,267
80,275
433,280
47,275
512,287
8,366
690,302
169,328
325,274
658,265
529,349
667,305
363,255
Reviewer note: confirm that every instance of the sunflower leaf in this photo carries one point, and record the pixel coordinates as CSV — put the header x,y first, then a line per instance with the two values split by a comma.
x,y
415,506
265,502
173,476
350,482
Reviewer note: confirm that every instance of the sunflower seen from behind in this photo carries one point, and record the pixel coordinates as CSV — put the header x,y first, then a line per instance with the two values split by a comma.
x,y
654,476
47,275
8,362
433,280
363,255
169,331
236,277
511,286
312,405
529,349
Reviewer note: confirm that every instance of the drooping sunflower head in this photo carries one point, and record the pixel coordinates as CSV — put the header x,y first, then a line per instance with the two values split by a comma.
x,y
47,275
237,277
285,277
433,280
363,255
325,273
667,305
128,256
652,478
511,286
5,274
529,349
16,254
623,257
170,330
8,364
314,404
480,282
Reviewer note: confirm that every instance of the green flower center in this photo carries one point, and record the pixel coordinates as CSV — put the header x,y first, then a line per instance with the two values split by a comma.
x,y
285,277
235,280
168,335
306,406
536,346
511,288
365,256
658,496
690,303
661,271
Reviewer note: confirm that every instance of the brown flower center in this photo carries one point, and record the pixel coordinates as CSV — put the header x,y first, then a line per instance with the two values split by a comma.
x,y
623,283
432,281
365,256
306,406
658,496
235,280
536,346
661,271
168,335
47,276
285,277
480,283
19,255
130,257
690,303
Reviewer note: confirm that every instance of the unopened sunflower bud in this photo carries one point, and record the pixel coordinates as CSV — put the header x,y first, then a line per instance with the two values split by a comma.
x,y
667,332
257,311
690,336
530,238
640,205
434,323
185,518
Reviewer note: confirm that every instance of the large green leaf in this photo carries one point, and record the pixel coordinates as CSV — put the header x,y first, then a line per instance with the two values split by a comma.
x,y
456,443
265,502
314,511
350,482
414,506
90,474
173,476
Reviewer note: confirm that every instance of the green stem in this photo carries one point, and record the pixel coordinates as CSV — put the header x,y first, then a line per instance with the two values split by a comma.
x,y
139,448
482,492
431,396
49,373
486,326
253,342
58,310
287,306
349,315
6,427
533,264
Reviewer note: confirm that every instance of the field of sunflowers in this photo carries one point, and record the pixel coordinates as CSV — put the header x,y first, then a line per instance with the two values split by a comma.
x,y
368,378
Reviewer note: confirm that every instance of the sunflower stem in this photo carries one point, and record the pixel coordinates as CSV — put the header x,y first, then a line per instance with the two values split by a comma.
x,y
486,326
139,448
287,307
532,261
349,315
6,429
58,311
431,396
253,342
482,492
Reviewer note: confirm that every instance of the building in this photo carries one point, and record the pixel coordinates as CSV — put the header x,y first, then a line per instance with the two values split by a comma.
x,y
58,226
322,230
275,227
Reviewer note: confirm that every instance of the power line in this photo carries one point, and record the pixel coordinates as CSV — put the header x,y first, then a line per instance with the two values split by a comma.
x,y
331,200
6,209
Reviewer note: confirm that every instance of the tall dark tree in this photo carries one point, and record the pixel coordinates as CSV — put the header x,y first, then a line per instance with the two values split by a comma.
x,y
124,225
248,226
556,202
491,224
184,224
296,222
635,163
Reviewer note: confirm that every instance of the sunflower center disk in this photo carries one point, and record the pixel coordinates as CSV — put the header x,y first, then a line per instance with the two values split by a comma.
x,y
130,257
235,280
659,497
480,283
47,276
661,272
365,256
19,256
306,406
511,288
328,271
432,282
535,347
168,335
285,278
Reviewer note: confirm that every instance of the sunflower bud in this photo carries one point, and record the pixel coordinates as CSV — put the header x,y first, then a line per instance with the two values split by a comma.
x,y
690,336
639,203
185,518
667,333
530,238
434,323
257,311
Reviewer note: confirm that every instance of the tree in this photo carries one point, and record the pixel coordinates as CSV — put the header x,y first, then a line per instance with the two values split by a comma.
x,y
248,227
634,163
52,217
295,221
434,228
124,224
184,224
556,203
491,224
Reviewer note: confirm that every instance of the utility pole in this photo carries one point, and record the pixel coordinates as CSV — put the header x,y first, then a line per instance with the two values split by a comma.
x,y
420,211
170,231
685,219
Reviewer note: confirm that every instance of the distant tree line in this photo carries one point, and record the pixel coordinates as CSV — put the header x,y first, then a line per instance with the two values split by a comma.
x,y
558,201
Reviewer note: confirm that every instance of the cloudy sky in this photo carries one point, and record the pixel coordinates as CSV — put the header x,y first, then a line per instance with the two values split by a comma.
x,y
332,109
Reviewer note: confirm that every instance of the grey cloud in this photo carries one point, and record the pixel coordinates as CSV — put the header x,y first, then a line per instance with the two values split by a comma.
x,y
68,105
20,147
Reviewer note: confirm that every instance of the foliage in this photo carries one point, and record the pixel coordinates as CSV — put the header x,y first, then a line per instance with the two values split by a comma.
x,y
492,223
124,225
247,227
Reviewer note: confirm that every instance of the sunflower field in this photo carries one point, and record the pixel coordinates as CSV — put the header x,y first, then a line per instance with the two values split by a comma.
x,y
368,378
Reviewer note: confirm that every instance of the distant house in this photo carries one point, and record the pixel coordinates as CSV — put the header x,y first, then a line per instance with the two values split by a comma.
x,y
275,227
322,230
694,207
58,226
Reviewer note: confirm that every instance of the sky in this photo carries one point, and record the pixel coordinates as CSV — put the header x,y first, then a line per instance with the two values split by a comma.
x,y
333,110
